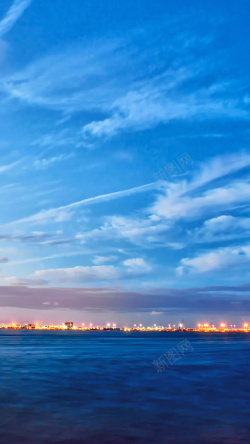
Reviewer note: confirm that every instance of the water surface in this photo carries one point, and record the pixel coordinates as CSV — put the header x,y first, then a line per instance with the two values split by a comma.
x,y
102,387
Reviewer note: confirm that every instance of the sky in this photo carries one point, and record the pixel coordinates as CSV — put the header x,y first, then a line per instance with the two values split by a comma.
x,y
125,159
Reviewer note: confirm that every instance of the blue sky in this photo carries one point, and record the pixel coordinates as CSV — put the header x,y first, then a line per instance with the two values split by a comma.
x,y
124,170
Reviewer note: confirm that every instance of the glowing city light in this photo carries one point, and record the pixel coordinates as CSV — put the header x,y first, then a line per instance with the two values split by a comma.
x,y
206,327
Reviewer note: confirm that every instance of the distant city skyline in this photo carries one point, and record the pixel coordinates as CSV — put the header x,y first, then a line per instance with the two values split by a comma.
x,y
109,326
125,160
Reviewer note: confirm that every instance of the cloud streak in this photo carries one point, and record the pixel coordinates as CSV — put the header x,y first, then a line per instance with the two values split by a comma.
x,y
5,168
63,213
110,78
13,14
186,201
202,196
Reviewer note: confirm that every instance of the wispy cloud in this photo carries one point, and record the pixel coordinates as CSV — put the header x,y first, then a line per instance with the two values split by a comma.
x,y
202,195
61,138
138,262
77,78
140,231
44,162
212,189
52,256
222,228
218,259
110,77
95,273
101,259
64,213
78,275
4,168
13,14
149,105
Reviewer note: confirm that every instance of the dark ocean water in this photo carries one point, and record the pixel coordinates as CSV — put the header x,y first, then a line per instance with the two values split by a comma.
x,y
102,387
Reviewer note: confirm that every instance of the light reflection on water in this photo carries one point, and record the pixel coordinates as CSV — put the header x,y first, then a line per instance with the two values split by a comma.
x,y
101,387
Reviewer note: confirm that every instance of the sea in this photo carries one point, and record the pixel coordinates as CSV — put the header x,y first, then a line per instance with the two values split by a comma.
x,y
73,387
